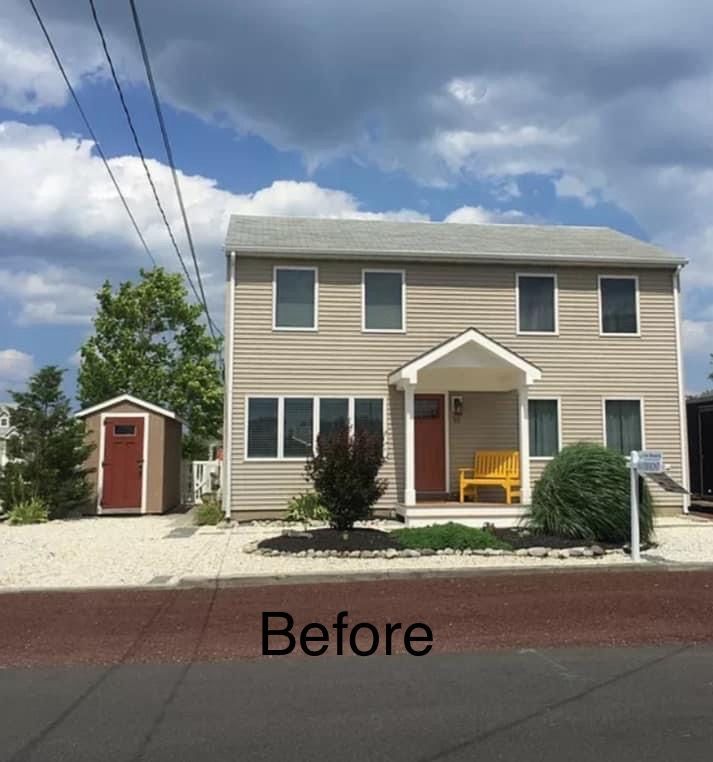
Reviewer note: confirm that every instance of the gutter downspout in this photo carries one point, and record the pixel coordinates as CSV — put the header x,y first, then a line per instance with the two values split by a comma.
x,y
228,383
685,463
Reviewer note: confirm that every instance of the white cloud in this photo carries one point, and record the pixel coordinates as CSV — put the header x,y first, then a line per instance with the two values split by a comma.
x,y
572,187
480,215
698,336
15,367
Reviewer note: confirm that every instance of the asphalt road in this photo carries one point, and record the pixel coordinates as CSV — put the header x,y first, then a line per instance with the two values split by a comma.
x,y
606,704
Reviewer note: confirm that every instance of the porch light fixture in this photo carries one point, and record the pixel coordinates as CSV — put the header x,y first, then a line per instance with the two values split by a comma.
x,y
457,406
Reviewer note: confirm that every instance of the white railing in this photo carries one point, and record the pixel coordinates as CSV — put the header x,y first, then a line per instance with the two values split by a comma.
x,y
204,478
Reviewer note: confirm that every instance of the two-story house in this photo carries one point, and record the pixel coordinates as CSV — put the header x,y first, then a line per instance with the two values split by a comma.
x,y
448,338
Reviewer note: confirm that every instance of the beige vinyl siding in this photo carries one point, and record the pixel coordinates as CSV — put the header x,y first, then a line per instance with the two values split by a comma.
x,y
579,366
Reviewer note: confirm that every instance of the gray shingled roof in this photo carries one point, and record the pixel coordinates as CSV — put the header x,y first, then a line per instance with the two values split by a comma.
x,y
438,241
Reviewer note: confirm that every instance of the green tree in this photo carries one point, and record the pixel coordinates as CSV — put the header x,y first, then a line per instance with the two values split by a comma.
x,y
149,341
50,448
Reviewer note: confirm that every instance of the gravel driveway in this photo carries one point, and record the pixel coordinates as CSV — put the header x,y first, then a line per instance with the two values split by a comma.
x,y
163,550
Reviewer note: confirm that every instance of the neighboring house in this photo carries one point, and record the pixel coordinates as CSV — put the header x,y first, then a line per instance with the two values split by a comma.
x,y
6,430
450,339
700,444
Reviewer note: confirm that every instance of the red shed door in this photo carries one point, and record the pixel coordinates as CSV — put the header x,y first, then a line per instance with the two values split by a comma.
x,y
123,463
430,443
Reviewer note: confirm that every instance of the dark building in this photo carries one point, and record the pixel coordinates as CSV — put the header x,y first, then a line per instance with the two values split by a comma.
x,y
699,410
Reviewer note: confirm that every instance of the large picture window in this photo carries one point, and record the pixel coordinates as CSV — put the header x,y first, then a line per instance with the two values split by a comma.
x,y
295,298
298,422
262,428
536,304
333,415
623,424
618,297
383,307
284,427
544,428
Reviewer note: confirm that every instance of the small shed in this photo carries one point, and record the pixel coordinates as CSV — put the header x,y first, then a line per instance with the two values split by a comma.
x,y
136,459
699,411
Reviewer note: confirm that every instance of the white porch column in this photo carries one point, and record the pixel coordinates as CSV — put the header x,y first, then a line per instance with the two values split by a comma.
x,y
409,446
524,415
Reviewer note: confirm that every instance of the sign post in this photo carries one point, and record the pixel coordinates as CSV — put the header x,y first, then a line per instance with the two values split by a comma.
x,y
635,539
641,462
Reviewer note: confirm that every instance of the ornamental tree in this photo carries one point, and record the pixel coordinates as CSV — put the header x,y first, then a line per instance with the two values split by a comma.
x,y
149,341
345,474
49,452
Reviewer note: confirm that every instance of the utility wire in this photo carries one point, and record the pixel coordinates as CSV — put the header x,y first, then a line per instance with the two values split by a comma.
x,y
93,136
135,136
169,154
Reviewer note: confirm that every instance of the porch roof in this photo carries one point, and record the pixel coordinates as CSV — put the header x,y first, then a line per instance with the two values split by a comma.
x,y
457,349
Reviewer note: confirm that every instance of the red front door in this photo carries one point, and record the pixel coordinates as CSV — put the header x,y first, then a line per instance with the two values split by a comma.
x,y
430,443
123,463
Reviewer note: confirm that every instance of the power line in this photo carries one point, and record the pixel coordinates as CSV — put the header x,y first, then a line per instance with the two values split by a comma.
x,y
169,154
97,145
135,136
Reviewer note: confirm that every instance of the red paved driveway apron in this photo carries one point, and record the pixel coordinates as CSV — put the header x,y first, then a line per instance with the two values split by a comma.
x,y
465,613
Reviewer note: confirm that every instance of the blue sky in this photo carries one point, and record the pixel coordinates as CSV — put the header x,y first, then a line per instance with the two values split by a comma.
x,y
555,112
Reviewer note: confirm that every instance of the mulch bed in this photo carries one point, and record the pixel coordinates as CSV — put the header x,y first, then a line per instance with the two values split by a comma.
x,y
528,539
331,539
374,539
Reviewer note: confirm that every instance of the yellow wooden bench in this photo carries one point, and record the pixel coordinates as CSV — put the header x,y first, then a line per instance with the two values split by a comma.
x,y
492,468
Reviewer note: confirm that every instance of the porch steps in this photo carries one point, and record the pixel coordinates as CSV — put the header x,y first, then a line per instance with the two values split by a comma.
x,y
471,515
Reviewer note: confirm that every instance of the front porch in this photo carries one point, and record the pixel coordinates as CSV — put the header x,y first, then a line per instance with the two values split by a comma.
x,y
467,395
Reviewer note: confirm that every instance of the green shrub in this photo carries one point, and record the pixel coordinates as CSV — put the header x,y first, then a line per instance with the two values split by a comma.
x,y
306,507
440,536
210,513
584,493
32,511
345,474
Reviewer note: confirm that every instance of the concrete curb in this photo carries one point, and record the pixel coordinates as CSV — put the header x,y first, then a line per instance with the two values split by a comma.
x,y
321,578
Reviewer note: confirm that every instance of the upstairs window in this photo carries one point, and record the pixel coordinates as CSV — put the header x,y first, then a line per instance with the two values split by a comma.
x,y
536,304
619,303
295,298
383,300
544,428
623,425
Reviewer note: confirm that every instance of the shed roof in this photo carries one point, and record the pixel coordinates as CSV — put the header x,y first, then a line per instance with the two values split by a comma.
x,y
438,241
134,401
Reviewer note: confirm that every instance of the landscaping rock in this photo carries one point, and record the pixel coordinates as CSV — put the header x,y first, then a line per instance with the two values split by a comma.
x,y
522,552
576,552
468,552
597,550
561,553
411,553
538,552
354,554
391,553
588,553
428,552
251,547
302,554
368,554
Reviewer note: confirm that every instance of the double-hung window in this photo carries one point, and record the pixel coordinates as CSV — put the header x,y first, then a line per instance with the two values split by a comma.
x,y
619,304
536,303
369,415
623,422
544,416
384,300
295,298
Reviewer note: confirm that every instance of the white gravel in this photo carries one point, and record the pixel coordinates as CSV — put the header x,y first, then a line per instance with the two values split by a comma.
x,y
108,551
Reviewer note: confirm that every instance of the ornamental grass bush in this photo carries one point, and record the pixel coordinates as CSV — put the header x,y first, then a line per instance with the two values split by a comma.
x,y
209,513
584,494
31,511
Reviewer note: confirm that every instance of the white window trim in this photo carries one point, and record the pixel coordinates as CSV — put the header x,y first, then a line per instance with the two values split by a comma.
x,y
637,298
364,329
100,469
315,422
315,325
558,400
555,297
642,415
